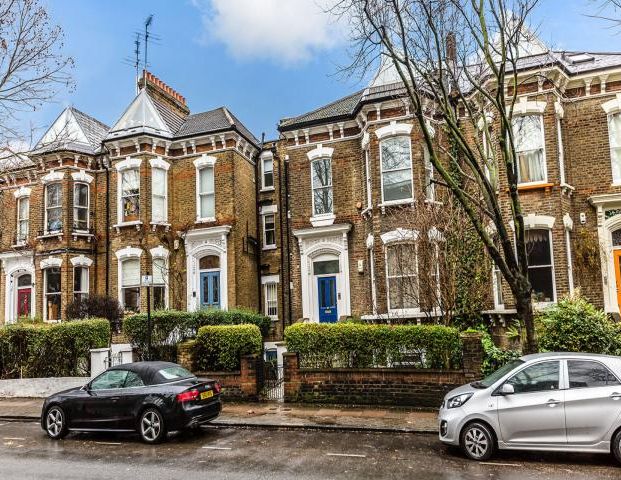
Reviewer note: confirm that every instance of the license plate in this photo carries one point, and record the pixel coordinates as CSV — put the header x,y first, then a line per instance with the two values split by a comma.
x,y
207,394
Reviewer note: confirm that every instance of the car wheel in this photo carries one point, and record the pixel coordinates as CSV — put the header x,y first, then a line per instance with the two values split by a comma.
x,y
151,427
477,441
616,446
56,423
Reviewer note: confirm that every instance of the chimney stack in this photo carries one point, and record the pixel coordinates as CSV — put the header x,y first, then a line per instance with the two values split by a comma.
x,y
164,93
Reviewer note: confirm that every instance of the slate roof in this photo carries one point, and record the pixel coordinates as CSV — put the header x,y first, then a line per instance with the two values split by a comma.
x,y
573,62
172,120
343,107
94,130
215,120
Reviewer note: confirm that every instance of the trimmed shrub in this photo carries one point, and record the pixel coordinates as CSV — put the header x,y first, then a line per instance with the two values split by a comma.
x,y
351,345
97,306
220,348
575,325
171,327
50,350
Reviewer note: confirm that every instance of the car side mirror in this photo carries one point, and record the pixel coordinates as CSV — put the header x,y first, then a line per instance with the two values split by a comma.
x,y
507,389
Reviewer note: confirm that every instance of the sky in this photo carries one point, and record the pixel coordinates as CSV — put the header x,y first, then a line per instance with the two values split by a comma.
x,y
263,59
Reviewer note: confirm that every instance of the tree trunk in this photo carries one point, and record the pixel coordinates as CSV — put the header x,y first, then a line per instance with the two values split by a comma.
x,y
524,308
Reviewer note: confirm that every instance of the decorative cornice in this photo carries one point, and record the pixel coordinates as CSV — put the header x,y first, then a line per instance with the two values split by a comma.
x,y
128,164
319,152
204,161
159,163
393,129
81,261
128,252
82,176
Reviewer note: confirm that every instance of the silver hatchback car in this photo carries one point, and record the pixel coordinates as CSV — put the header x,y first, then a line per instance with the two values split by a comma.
x,y
567,402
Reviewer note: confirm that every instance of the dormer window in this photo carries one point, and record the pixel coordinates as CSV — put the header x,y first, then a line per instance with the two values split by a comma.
x,y
529,147
53,208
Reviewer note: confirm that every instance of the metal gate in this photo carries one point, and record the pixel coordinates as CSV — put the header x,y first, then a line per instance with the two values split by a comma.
x,y
272,381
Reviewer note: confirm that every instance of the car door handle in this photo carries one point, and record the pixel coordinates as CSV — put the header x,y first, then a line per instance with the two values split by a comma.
x,y
114,399
552,403
615,396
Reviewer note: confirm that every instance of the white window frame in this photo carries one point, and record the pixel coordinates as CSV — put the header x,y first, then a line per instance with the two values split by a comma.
x,y
159,165
324,219
270,282
367,173
269,246
615,181
46,265
430,187
205,161
160,253
127,253
551,265
22,236
382,171
544,156
264,158
86,271
394,238
128,164
87,207
392,130
497,288
329,187
47,208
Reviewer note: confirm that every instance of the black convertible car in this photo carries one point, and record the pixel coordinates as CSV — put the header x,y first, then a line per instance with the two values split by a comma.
x,y
151,398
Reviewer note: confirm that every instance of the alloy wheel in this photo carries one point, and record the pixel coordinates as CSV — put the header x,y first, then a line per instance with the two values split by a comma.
x,y
54,422
151,426
476,442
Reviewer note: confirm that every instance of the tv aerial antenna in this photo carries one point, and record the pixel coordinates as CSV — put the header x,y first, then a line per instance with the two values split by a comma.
x,y
142,38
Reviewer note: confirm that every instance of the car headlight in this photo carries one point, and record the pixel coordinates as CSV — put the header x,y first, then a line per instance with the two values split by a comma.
x,y
458,400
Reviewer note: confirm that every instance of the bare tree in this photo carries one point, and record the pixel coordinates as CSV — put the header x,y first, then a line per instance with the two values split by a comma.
x,y
608,10
458,61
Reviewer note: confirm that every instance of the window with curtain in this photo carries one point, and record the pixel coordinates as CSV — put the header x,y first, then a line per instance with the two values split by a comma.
x,y
268,172
159,209
402,276
206,193
130,284
53,207
540,267
269,231
529,146
23,219
80,283
52,294
321,171
271,300
614,135
80,206
396,169
130,195
160,279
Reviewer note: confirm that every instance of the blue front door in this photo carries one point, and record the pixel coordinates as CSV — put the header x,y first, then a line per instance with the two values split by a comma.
x,y
210,289
326,287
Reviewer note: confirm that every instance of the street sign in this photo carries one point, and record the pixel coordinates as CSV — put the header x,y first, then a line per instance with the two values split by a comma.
x,y
147,280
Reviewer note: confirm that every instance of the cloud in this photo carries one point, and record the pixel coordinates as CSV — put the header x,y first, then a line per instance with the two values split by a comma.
x,y
285,31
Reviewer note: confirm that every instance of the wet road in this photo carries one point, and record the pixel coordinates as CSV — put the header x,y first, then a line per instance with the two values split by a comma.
x,y
26,453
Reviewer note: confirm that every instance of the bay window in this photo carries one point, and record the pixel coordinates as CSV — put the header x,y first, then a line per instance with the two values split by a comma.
x,y
159,202
52,296
614,135
80,207
80,283
53,208
23,219
396,162
540,265
402,276
130,284
321,171
130,195
529,148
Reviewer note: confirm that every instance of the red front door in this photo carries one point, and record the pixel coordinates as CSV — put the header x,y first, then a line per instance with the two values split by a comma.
x,y
23,302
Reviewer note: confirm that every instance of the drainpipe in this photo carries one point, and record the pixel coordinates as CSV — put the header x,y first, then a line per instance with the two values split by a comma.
x,y
286,212
257,187
282,239
106,164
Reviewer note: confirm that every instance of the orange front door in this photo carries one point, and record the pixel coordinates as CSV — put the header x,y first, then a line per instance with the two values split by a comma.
x,y
617,258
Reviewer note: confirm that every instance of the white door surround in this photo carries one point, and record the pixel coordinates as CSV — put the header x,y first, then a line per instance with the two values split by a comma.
x,y
321,243
16,264
608,208
198,244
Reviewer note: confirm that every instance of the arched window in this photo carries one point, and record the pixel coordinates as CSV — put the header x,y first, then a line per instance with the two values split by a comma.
x,y
209,262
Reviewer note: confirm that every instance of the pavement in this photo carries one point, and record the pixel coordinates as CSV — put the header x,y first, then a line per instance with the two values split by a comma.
x,y
226,453
282,416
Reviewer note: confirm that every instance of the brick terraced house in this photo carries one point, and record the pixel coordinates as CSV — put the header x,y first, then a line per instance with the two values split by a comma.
x,y
301,227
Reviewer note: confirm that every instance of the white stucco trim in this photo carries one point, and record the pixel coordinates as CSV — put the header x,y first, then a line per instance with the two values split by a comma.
x,y
128,164
81,261
568,223
159,252
329,241
50,262
128,252
82,176
613,106
532,221
399,235
22,192
159,163
204,161
268,209
199,243
16,264
53,176
524,107
270,279
393,129
319,152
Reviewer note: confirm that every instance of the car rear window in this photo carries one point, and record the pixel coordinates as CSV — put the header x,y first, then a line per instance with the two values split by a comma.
x,y
173,373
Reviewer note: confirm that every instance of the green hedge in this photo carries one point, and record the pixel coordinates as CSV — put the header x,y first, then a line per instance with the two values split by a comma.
x,y
351,345
171,327
220,348
50,350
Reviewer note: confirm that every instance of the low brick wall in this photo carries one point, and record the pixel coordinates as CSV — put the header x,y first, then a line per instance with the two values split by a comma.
x,y
230,381
380,386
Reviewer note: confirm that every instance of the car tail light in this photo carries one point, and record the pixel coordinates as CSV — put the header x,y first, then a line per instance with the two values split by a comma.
x,y
217,388
188,396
